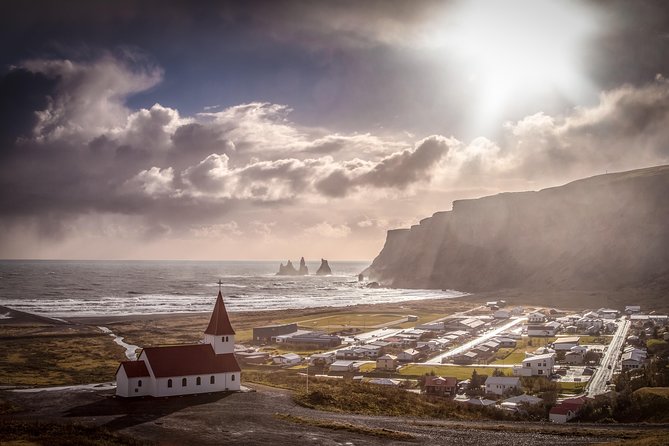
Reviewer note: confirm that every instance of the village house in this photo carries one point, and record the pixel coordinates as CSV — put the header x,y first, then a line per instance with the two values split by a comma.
x,y
539,365
535,318
566,343
506,342
566,410
287,359
185,369
322,359
409,355
466,358
547,329
498,385
440,386
386,362
344,366
632,358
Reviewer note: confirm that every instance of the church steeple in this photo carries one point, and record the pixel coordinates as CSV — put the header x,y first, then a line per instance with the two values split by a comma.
x,y
219,324
219,333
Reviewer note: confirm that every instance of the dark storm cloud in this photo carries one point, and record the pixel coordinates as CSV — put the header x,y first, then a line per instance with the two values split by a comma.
x,y
22,93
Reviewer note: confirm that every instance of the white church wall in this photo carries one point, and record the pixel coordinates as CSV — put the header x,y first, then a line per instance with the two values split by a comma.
x,y
222,382
221,343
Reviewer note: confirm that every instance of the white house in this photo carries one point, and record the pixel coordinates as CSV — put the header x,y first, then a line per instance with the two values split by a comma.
x,y
287,359
344,366
539,365
185,369
500,384
535,318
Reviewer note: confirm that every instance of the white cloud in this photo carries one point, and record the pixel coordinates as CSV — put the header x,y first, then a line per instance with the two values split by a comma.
x,y
325,229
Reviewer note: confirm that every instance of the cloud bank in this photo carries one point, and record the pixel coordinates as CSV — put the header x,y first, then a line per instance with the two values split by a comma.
x,y
77,160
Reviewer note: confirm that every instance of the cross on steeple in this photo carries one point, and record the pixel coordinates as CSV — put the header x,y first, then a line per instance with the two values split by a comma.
x,y
220,282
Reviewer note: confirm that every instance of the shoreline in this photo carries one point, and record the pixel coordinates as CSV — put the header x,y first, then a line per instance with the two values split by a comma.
x,y
18,316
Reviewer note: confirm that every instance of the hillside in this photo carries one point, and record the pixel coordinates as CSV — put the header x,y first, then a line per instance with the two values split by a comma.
x,y
604,233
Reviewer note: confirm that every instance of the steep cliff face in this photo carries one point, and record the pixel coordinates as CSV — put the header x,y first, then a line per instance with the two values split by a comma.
x,y
604,232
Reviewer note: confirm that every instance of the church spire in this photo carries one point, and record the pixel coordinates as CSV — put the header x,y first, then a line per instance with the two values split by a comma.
x,y
219,324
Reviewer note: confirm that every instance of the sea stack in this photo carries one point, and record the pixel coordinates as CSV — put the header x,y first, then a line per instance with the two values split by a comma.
x,y
287,270
303,271
324,269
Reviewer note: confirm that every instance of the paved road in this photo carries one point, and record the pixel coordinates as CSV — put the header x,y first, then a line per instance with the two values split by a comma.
x,y
603,373
471,344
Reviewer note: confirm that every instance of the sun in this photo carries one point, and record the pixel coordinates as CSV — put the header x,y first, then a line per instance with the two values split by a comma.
x,y
510,51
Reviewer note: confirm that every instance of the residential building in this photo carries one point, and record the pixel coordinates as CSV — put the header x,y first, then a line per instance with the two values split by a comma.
x,y
566,343
287,359
539,365
344,366
409,355
498,385
547,329
440,386
566,409
387,362
535,318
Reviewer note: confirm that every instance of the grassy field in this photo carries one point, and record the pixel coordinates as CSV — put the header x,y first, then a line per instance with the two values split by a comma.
x,y
57,356
361,320
516,355
459,372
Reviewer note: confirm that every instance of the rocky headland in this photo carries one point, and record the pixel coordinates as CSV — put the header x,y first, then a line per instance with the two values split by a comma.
x,y
609,232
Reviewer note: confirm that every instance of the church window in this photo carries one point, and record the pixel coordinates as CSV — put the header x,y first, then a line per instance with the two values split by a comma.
x,y
212,380
139,383
198,381
169,382
184,382
233,376
222,338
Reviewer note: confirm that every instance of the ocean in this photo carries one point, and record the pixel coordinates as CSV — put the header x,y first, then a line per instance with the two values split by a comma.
x,y
63,288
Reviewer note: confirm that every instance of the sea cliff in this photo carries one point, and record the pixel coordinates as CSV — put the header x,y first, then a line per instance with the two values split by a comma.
x,y
605,232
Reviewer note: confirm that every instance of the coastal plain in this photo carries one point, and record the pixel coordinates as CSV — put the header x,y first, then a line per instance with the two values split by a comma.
x,y
38,352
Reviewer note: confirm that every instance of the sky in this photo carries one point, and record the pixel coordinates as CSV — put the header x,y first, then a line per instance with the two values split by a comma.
x,y
279,129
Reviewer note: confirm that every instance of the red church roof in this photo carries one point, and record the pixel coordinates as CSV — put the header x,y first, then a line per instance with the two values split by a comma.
x,y
134,369
219,324
186,360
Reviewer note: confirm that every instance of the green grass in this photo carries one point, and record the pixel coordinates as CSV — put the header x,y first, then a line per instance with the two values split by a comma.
x,y
572,387
459,372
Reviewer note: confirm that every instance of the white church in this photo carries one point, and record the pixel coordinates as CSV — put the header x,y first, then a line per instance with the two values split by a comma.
x,y
185,369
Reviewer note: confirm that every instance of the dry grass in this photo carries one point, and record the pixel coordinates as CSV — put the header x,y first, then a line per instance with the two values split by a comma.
x,y
353,428
457,371
58,356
